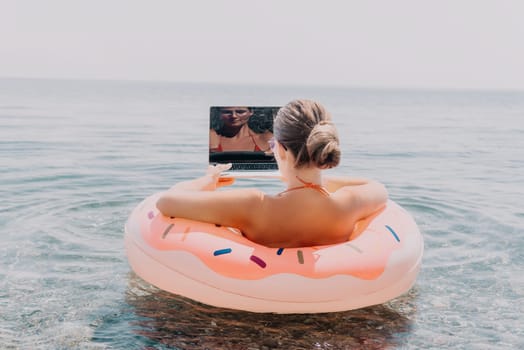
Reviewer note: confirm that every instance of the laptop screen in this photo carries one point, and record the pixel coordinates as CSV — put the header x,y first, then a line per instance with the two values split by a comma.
x,y
240,135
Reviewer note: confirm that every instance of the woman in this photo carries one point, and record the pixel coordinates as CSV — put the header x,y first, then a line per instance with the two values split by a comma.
x,y
313,210
233,132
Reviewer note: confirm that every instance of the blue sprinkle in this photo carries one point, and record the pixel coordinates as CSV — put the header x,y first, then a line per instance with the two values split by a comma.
x,y
393,233
222,251
279,251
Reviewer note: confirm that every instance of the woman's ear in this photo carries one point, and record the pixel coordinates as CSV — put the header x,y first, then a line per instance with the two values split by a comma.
x,y
282,154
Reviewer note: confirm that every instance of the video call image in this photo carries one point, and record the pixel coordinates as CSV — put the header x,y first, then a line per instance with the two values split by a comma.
x,y
241,129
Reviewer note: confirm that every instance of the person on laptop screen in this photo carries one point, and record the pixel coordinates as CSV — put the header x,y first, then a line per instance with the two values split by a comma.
x,y
313,210
240,129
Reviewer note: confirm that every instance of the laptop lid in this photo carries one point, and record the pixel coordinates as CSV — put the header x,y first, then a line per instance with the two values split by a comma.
x,y
240,135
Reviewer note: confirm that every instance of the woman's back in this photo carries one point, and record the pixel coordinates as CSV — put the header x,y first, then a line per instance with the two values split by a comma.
x,y
304,217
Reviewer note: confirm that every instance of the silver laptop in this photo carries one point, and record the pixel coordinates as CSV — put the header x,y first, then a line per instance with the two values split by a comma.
x,y
241,135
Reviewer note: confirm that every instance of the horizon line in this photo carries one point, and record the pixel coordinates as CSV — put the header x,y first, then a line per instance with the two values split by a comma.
x,y
279,84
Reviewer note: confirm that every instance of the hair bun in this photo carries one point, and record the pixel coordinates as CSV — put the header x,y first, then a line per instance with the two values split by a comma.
x,y
323,145
305,128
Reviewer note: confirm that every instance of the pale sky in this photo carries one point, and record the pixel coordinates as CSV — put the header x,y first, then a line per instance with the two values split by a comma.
x,y
392,43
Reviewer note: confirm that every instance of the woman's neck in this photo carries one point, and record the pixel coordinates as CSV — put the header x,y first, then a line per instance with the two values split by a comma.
x,y
297,177
232,131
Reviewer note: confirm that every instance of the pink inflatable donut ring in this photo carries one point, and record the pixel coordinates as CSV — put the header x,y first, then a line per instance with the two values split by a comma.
x,y
217,266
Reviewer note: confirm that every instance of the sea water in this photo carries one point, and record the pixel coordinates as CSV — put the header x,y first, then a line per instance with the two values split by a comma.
x,y
77,156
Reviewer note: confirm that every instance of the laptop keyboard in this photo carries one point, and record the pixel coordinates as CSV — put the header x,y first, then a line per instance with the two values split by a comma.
x,y
253,166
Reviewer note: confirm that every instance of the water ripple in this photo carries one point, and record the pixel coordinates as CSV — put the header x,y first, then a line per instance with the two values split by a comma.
x,y
77,157
172,321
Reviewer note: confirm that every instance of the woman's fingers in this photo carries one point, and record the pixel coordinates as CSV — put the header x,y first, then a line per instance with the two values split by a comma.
x,y
215,170
224,167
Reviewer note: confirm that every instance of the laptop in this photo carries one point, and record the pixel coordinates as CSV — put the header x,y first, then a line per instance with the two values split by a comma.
x,y
240,135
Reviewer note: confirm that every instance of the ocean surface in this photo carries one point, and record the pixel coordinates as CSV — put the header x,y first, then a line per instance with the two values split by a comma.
x,y
77,156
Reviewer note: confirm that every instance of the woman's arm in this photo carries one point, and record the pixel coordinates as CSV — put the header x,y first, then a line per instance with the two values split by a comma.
x,y
197,200
235,208
359,196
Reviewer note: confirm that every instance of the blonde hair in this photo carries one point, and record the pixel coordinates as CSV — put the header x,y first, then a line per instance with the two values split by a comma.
x,y
305,128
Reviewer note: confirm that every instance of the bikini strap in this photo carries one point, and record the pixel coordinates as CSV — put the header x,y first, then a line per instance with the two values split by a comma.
x,y
253,139
312,185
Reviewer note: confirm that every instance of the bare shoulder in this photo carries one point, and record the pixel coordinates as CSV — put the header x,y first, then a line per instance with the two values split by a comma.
x,y
361,200
262,140
214,139
267,133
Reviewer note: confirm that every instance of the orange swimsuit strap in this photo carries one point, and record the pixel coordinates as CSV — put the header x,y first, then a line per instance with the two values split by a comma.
x,y
307,185
256,146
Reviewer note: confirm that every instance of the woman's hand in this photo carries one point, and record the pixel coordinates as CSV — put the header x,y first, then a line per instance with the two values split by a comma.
x,y
209,182
214,171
